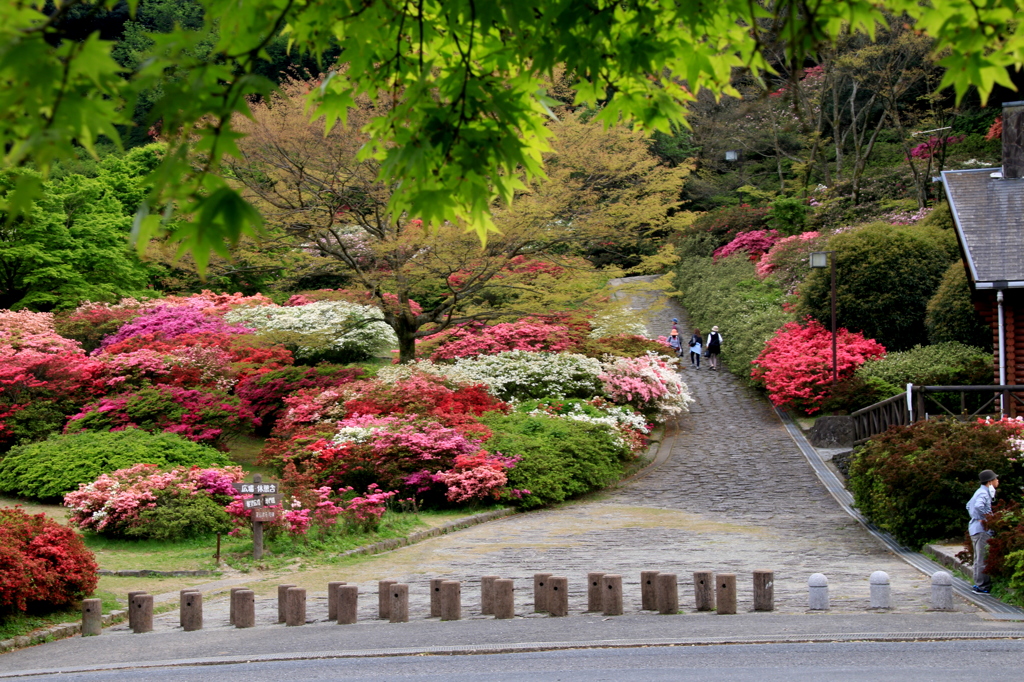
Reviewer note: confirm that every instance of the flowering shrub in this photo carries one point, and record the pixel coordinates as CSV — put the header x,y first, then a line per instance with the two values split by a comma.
x,y
53,468
628,427
91,322
755,243
795,366
247,352
722,224
265,391
26,322
201,416
787,260
908,217
358,297
364,512
168,322
42,563
650,383
925,150
213,303
477,477
525,335
143,501
323,330
523,374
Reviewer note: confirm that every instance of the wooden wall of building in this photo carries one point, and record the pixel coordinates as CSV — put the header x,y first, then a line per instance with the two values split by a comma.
x,y
1013,321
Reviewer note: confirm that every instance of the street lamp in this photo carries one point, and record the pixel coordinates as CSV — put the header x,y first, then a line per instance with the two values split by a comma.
x,y
820,259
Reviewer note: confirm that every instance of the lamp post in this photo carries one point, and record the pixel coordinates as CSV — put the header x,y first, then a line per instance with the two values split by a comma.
x,y
820,259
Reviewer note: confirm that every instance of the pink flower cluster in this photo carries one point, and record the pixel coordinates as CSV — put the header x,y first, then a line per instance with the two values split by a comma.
x,y
650,383
26,322
522,335
795,366
477,477
112,503
755,243
926,150
167,322
772,259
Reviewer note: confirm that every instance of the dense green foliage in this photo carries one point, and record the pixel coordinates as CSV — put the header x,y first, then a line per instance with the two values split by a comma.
x,y
943,364
951,315
729,294
181,515
52,468
560,458
885,275
913,481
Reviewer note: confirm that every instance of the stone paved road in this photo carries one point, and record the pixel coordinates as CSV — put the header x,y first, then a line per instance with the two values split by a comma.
x,y
735,496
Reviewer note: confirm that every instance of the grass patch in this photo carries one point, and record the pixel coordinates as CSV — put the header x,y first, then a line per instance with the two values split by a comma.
x,y
159,555
18,624
56,512
245,450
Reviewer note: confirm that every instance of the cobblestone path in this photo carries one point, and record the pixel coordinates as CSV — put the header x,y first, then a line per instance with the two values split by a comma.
x,y
735,496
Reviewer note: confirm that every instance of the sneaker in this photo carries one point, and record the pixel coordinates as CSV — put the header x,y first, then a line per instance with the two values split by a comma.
x,y
981,590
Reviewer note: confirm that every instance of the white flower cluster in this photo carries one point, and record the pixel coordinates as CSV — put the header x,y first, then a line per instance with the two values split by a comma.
x,y
354,434
526,374
319,326
616,417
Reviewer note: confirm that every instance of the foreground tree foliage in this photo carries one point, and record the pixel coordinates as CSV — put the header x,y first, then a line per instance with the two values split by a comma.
x,y
466,77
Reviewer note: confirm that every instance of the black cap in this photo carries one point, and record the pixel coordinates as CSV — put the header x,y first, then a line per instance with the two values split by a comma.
x,y
987,475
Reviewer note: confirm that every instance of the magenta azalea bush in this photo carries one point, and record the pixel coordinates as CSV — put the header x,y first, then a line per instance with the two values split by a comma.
x,y
169,322
755,243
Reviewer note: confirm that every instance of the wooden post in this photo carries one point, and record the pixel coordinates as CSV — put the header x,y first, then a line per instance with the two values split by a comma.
x,y
257,530
451,600
558,596
764,591
726,593
348,604
704,590
504,599
595,592
332,599
296,606
384,599
191,607
648,600
399,610
282,602
243,603
611,586
540,592
142,605
667,593
486,595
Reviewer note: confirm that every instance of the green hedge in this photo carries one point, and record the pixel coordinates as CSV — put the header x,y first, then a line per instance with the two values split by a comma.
x,y
729,294
560,458
942,364
914,481
52,468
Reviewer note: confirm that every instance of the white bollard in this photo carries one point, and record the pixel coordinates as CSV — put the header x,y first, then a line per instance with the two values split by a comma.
x,y
942,591
880,593
817,589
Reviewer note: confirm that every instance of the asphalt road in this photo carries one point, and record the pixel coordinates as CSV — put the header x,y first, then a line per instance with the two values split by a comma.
x,y
991,660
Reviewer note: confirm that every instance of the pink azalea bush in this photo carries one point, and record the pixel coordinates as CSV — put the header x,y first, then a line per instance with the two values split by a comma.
x,y
120,504
650,383
475,477
522,335
795,366
26,322
755,243
168,322
787,260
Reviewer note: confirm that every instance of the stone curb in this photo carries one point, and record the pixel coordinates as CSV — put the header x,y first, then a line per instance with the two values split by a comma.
x,y
145,573
420,536
946,560
60,631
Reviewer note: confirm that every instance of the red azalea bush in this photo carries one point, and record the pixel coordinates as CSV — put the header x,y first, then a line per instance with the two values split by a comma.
x,y
522,335
42,563
265,390
795,366
756,243
201,416
249,353
725,223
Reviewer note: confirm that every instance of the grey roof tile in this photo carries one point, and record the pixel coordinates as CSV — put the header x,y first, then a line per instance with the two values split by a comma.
x,y
989,216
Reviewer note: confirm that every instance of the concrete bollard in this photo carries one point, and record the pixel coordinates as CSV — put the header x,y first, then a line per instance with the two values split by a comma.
x,y
666,593
704,590
190,611
181,599
282,601
558,596
399,609
764,591
504,599
92,617
725,593
942,591
817,592
131,611
540,592
881,594
648,590
451,600
142,605
383,600
243,604
486,595
332,599
595,593
611,585
295,606
231,604
348,604
435,597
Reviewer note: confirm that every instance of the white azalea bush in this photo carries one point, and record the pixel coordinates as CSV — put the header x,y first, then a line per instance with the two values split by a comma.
x,y
650,383
336,331
627,427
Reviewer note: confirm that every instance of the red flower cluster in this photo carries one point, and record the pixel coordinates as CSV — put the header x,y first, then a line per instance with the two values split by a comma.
x,y
42,563
795,366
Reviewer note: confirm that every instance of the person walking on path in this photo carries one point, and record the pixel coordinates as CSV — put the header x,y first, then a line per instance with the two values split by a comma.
x,y
979,507
696,346
714,347
675,342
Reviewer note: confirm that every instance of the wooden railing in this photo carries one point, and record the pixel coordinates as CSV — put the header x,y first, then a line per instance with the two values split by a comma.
x,y
875,419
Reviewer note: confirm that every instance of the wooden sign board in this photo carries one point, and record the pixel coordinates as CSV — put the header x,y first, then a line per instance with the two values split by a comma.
x,y
253,503
264,514
255,488
271,500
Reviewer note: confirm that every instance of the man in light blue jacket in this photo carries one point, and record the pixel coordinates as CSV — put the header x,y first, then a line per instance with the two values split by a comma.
x,y
979,507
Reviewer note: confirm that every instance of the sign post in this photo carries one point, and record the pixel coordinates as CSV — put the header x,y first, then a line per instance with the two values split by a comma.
x,y
263,495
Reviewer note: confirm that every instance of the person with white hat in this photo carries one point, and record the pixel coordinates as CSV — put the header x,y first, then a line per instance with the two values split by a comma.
x,y
714,346
979,507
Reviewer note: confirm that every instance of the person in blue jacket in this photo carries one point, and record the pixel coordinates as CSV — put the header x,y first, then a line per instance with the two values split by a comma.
x,y
979,507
